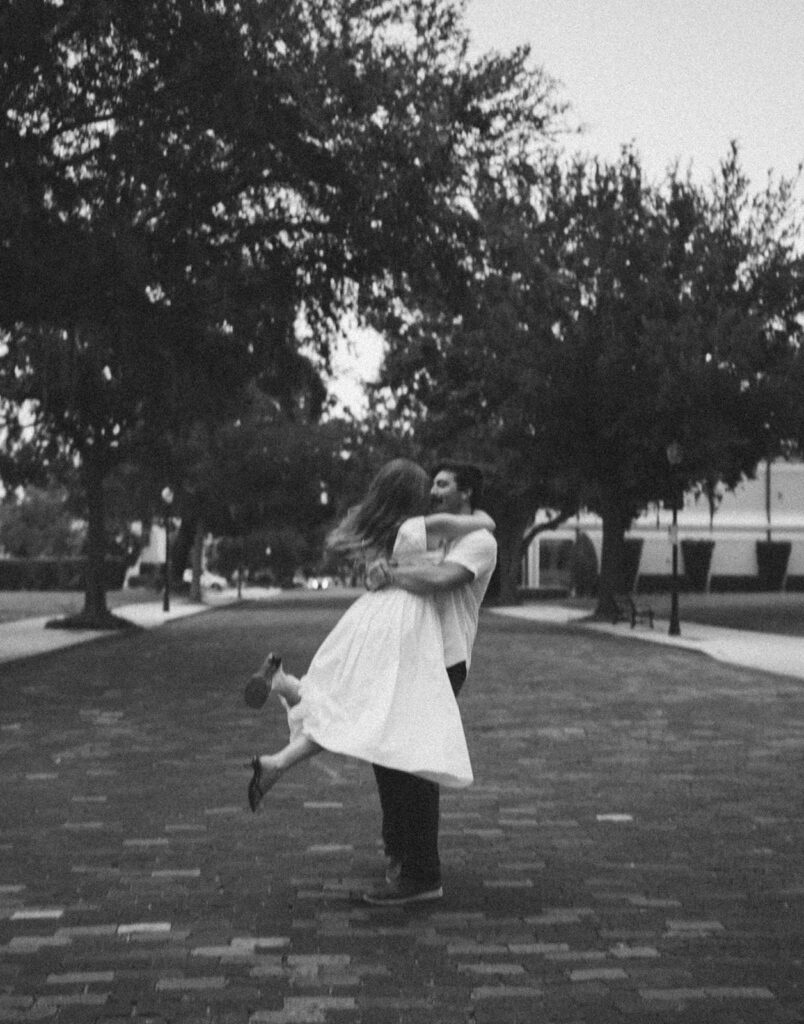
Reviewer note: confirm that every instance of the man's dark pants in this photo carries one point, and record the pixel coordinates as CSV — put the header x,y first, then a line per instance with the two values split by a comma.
x,y
410,813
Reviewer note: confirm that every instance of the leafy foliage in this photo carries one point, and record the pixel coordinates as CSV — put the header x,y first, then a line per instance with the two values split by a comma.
x,y
181,180
39,524
608,318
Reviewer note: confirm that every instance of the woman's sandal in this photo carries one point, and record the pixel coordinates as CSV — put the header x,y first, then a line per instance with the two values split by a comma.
x,y
259,686
255,791
256,692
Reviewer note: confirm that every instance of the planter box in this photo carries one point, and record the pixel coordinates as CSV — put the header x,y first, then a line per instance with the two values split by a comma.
x,y
697,556
772,559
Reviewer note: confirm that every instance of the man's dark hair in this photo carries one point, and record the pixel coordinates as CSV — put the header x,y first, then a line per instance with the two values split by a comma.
x,y
467,477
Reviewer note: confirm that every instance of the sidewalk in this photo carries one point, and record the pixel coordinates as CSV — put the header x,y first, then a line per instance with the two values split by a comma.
x,y
26,637
31,636
22,638
765,652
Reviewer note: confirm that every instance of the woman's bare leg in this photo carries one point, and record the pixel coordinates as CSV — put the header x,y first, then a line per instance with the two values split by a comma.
x,y
270,767
286,686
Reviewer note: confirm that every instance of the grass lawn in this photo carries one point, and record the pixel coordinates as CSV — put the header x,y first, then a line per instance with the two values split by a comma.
x,y
30,604
771,613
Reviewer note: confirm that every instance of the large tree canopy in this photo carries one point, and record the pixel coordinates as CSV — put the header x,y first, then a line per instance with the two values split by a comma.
x,y
472,379
180,180
610,317
687,323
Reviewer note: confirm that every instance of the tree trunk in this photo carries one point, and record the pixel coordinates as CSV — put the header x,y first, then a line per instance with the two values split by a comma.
x,y
504,586
197,558
181,547
95,583
507,572
95,613
611,560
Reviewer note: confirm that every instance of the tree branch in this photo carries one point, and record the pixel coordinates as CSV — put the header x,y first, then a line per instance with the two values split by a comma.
x,y
551,524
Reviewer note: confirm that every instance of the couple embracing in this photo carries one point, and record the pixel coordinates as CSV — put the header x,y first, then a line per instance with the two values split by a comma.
x,y
383,685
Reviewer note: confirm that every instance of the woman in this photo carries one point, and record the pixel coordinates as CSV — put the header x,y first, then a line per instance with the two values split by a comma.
x,y
377,688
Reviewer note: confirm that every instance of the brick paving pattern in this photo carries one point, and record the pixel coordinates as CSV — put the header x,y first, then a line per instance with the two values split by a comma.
x,y
631,850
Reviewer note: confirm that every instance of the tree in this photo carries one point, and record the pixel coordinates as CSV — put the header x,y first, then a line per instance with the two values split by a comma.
x,y
473,375
120,263
608,318
180,180
264,469
688,303
276,474
38,523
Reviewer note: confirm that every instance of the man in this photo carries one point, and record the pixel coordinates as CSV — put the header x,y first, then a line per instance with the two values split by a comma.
x,y
410,804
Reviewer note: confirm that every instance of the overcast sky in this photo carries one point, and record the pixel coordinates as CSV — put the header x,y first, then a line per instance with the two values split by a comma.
x,y
680,78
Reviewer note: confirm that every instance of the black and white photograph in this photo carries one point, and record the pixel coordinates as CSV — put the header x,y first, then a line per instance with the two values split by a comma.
x,y
401,511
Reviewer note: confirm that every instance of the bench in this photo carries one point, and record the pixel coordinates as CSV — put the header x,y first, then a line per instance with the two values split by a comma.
x,y
627,609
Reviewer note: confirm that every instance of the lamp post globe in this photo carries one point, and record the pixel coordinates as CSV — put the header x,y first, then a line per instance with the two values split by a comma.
x,y
167,499
675,454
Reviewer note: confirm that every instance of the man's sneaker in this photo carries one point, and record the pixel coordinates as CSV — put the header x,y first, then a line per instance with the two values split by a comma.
x,y
393,870
401,893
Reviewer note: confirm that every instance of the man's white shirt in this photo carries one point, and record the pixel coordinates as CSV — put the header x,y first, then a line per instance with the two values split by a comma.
x,y
459,608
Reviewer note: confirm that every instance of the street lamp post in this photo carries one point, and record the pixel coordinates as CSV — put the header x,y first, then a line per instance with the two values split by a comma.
x,y
167,499
239,546
674,456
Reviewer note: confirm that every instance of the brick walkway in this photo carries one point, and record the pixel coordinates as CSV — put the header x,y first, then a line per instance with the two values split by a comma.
x,y
631,850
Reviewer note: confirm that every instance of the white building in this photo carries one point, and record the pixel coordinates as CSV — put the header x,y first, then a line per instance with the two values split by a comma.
x,y
771,503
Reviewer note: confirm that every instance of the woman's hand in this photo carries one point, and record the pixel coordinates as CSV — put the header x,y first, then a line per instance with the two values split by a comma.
x,y
378,574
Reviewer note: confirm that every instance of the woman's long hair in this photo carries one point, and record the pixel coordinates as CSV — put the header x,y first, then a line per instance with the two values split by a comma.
x,y
400,490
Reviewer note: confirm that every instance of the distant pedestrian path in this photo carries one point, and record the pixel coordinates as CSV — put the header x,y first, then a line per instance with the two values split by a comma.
x,y
24,615
765,651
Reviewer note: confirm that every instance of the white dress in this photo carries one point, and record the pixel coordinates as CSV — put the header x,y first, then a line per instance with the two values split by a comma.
x,y
377,688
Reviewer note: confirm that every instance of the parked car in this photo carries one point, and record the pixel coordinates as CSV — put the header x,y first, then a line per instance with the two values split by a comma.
x,y
209,580
321,582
